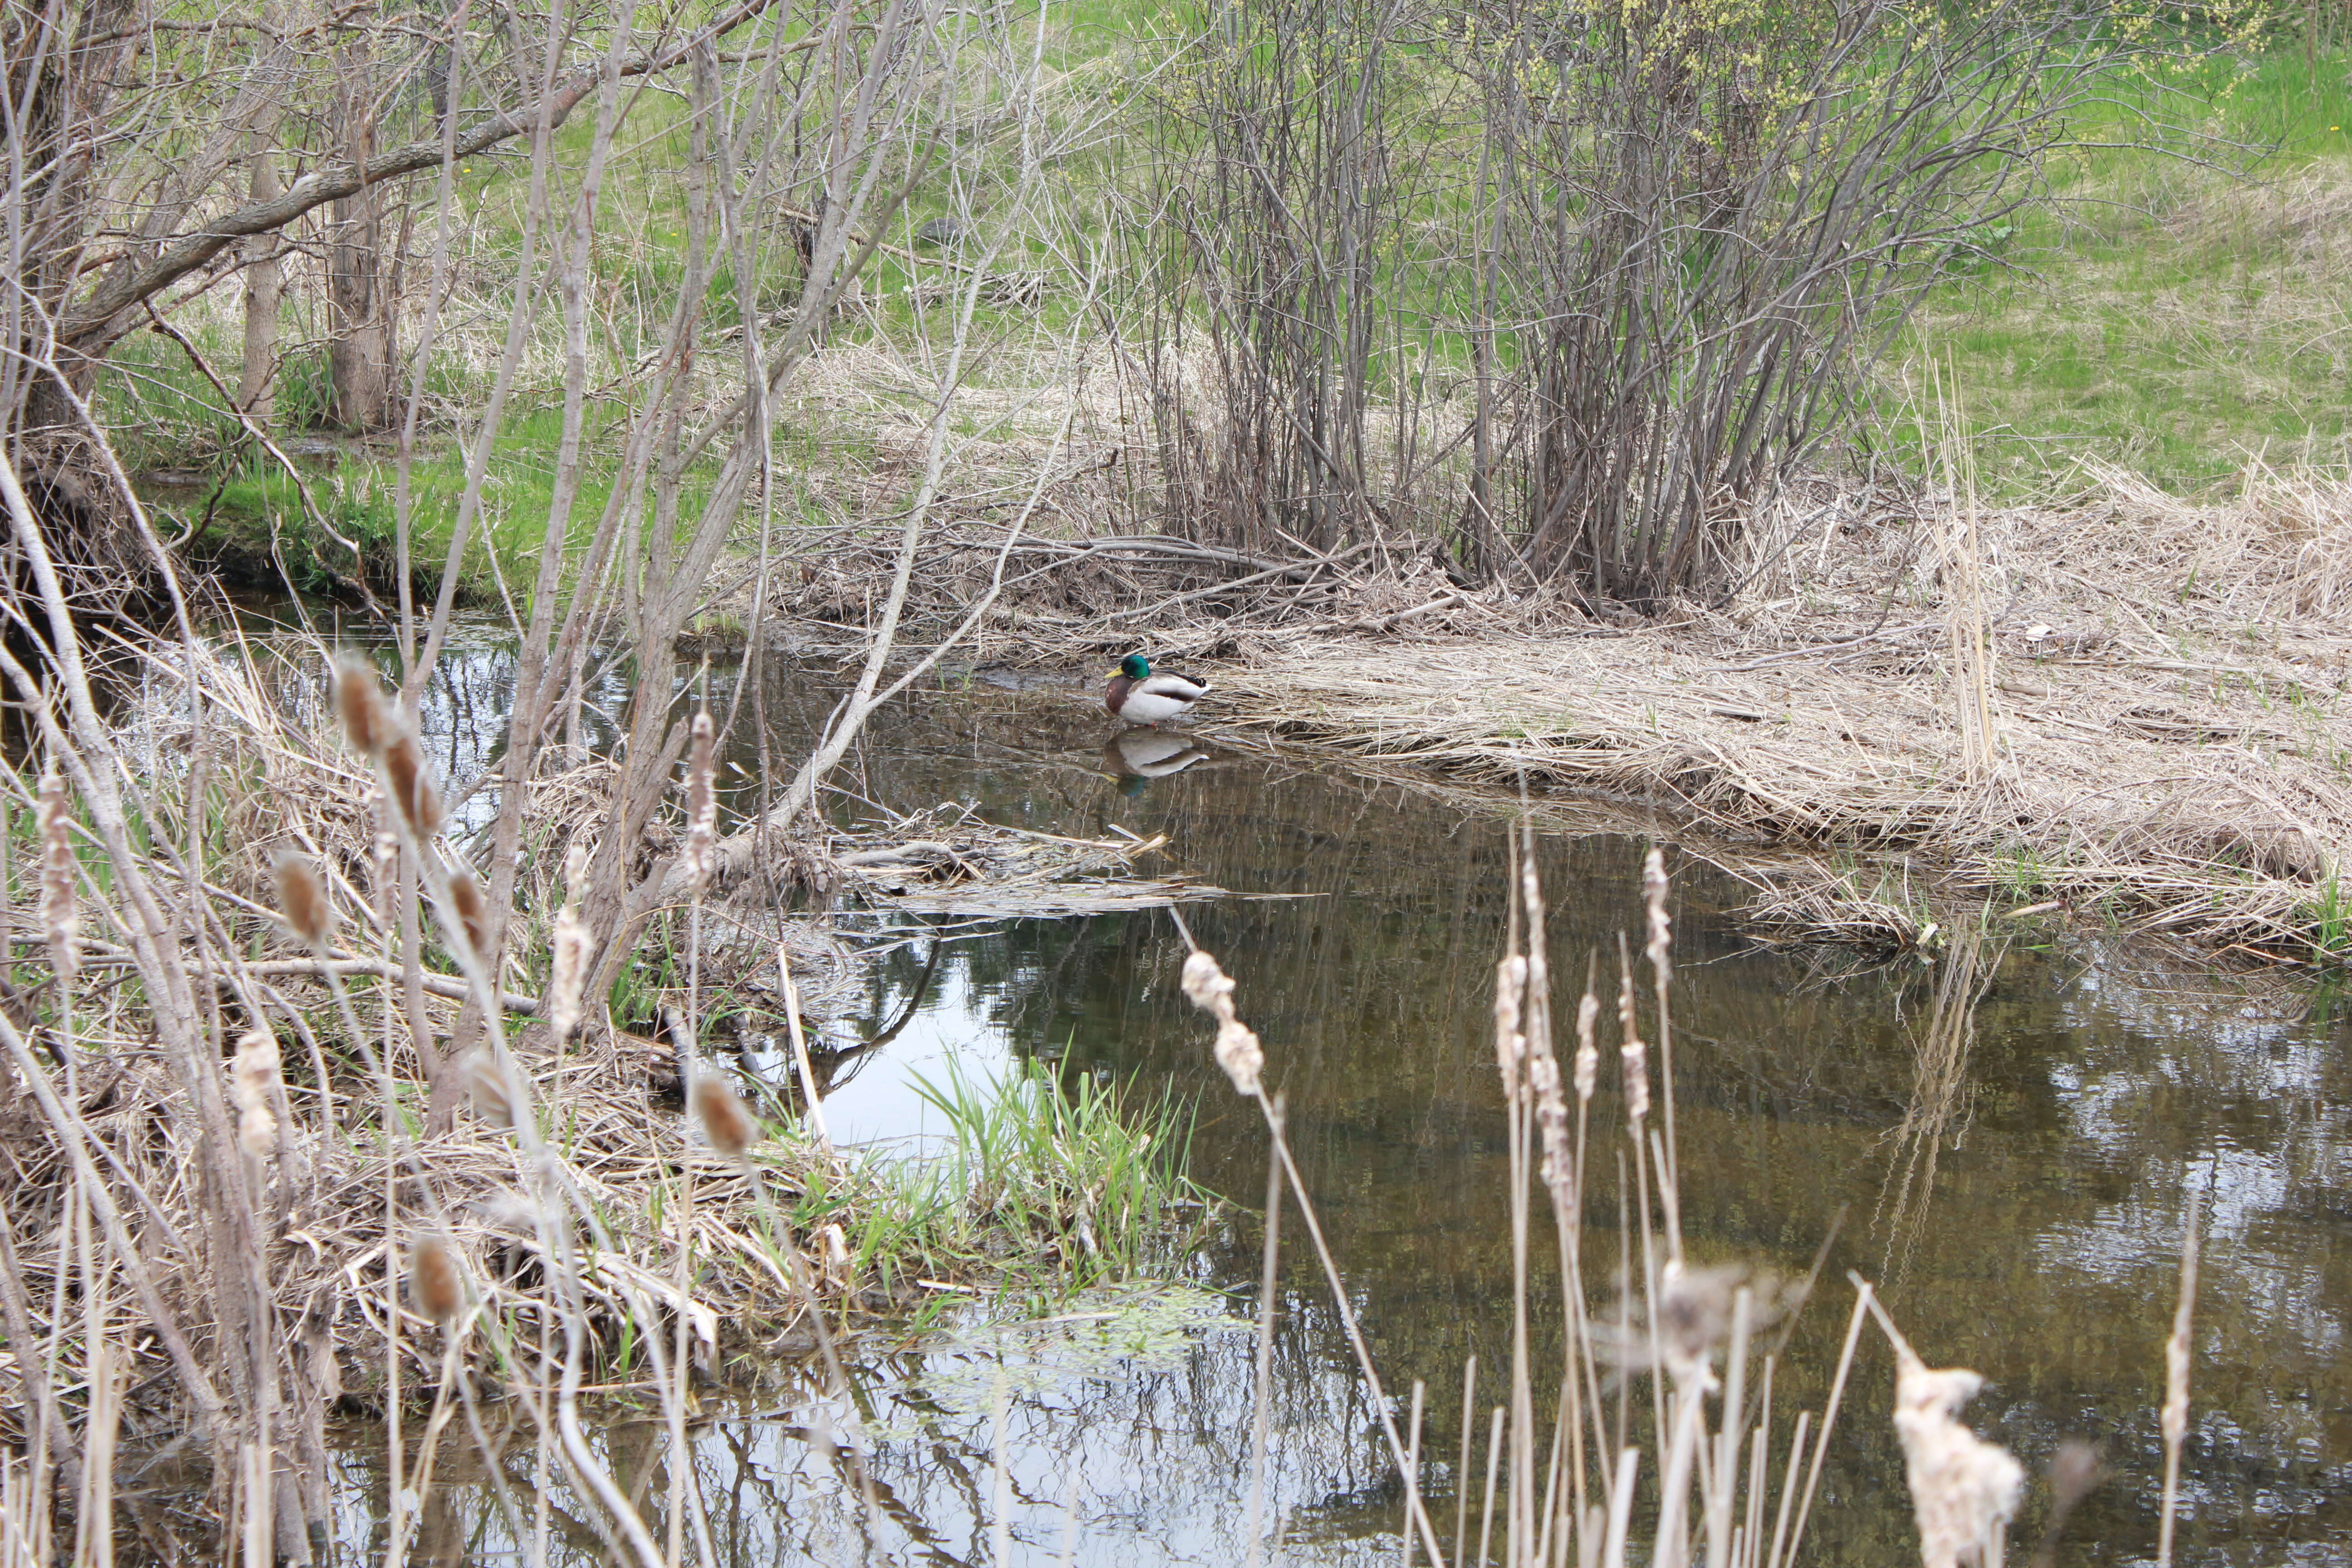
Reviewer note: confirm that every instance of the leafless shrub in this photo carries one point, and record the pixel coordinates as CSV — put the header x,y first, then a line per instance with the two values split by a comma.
x,y
1675,240
162,146
1712,219
1300,141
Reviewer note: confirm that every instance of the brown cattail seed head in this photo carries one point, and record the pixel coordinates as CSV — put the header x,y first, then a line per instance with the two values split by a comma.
x,y
253,1086
413,790
303,898
367,723
473,912
568,972
61,914
1237,1049
488,1087
724,1121
434,1283
701,801
1654,896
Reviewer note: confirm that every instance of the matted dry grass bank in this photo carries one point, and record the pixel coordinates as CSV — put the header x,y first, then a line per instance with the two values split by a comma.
x,y
2166,739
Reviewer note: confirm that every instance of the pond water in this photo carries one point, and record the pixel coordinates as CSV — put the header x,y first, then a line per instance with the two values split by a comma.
x,y
2005,1142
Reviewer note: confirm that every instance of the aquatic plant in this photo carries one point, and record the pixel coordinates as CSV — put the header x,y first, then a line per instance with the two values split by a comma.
x,y
1071,1162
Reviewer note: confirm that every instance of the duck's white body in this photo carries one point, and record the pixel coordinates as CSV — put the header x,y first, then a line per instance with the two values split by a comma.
x,y
1153,697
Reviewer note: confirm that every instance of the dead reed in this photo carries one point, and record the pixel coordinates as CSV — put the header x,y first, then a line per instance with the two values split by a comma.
x,y
1563,1482
346,1209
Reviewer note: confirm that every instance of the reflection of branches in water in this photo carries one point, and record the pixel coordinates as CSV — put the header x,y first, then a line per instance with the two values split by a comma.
x,y
1940,1095
834,1066
1137,1458
1025,1012
1832,967
921,988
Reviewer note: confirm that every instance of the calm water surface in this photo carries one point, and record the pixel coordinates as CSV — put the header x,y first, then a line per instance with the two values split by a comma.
x,y
2009,1143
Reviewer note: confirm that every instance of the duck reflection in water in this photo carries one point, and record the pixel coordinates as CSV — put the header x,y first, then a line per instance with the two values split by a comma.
x,y
1135,757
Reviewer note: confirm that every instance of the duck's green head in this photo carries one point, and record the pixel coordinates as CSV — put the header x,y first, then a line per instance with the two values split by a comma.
x,y
1135,666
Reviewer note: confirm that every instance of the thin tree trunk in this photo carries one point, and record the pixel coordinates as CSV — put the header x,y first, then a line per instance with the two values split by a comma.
x,y
57,110
359,357
254,392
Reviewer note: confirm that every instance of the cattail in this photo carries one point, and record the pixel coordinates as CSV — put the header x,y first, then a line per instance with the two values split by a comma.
x,y
2174,1419
570,972
1633,1057
1558,1168
701,801
1588,1053
1654,895
366,724
486,1086
1237,1049
1538,1067
1510,1046
473,912
61,913
2075,1472
254,1085
413,790
724,1121
1964,1490
2175,1414
1632,1054
302,900
387,862
1695,1313
433,1280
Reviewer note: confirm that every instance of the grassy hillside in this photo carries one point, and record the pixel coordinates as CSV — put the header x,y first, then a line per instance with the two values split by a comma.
x,y
2176,317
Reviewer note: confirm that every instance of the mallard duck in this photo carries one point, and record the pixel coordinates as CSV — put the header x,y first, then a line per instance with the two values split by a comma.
x,y
1141,697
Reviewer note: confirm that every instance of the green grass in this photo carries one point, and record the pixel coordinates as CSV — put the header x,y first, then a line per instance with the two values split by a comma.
x,y
2177,319
2329,914
1045,1187
1068,1167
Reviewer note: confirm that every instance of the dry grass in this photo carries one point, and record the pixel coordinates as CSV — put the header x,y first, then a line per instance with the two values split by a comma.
x,y
2175,747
